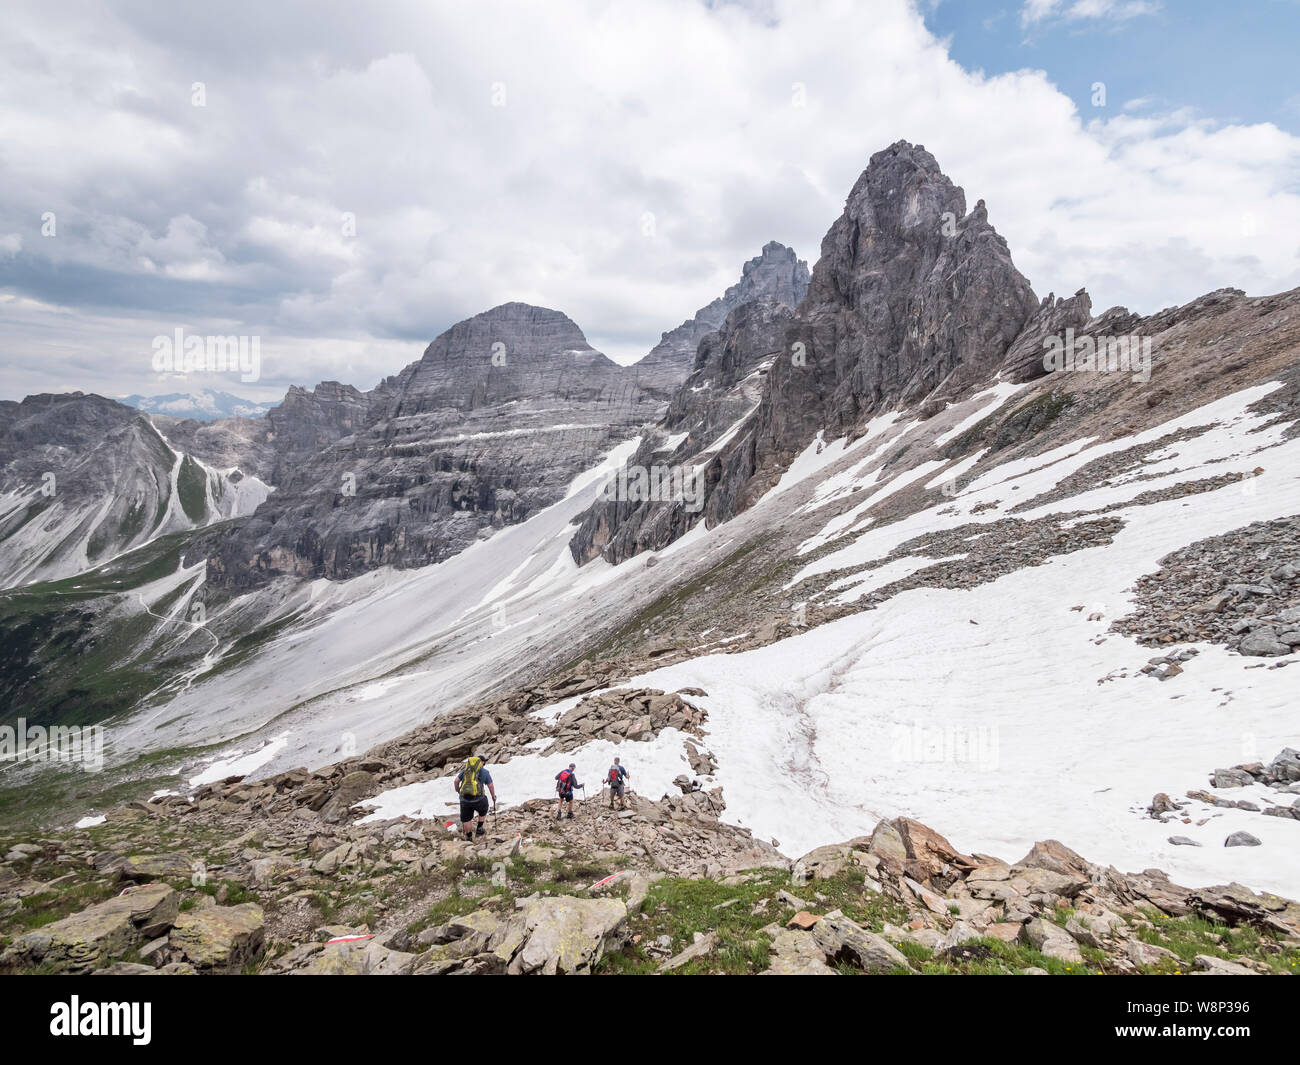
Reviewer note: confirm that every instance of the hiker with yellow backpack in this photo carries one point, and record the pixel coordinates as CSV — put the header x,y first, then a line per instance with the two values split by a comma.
x,y
470,782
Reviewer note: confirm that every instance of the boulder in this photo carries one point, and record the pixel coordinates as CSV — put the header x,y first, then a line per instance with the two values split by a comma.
x,y
92,938
887,843
931,859
1036,881
1148,954
958,934
352,789
1263,643
704,944
561,935
843,940
1051,940
1056,856
803,920
156,867
797,954
1286,766
357,958
1212,966
1236,904
275,868
219,939
822,863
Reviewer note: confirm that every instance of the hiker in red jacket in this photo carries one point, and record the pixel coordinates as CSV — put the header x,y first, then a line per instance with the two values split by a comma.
x,y
566,781
618,778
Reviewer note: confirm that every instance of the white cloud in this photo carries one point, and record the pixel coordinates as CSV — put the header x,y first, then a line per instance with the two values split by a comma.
x,y
730,126
1036,11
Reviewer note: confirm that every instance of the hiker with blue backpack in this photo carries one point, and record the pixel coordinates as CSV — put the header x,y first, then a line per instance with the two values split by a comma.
x,y
618,777
566,783
470,782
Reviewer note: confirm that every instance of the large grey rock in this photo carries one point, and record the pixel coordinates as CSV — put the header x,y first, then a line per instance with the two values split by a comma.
x,y
92,938
1208,965
795,953
1051,940
354,787
1263,643
220,939
703,945
356,958
843,940
156,866
560,935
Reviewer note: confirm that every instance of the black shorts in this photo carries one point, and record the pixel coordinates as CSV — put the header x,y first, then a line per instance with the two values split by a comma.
x,y
566,796
470,807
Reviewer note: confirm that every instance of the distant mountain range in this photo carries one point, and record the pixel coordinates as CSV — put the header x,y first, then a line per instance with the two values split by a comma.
x,y
203,406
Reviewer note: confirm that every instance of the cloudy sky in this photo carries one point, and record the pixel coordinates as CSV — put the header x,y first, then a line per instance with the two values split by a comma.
x,y
346,182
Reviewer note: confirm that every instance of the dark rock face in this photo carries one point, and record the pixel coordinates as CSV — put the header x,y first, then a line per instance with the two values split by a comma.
x,y
776,273
305,422
726,385
911,294
489,426
71,421
912,298
1024,361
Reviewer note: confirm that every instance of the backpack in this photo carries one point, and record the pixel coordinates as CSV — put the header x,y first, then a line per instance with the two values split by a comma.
x,y
562,779
470,785
614,774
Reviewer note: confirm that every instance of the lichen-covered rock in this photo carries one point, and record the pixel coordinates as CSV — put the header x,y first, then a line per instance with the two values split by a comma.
x,y
560,935
843,940
97,935
156,867
357,958
219,938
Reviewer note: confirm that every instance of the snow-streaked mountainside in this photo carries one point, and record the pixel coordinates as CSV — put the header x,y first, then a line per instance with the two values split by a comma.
x,y
927,577
79,488
203,405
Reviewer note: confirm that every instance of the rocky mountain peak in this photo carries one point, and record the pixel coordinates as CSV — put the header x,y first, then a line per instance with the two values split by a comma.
x,y
514,351
776,273
912,297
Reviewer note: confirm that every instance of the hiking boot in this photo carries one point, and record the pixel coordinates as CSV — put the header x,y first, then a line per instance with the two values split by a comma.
x,y
480,831
570,815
